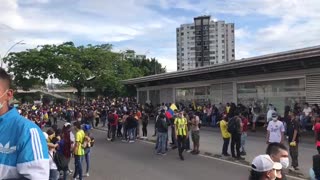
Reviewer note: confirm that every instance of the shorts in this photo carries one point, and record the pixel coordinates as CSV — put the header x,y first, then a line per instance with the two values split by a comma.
x,y
195,135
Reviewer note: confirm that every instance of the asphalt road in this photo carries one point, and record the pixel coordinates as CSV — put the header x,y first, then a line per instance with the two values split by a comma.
x,y
137,161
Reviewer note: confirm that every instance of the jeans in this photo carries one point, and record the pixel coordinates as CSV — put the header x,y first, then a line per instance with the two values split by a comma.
x,y
225,146
213,120
54,174
119,133
104,120
87,157
294,155
162,141
78,166
181,144
303,121
235,143
243,141
132,134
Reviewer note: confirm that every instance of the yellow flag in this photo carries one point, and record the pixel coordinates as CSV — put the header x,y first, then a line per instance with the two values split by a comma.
x,y
173,107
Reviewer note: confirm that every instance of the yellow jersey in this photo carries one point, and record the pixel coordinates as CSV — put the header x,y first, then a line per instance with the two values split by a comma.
x,y
224,129
181,126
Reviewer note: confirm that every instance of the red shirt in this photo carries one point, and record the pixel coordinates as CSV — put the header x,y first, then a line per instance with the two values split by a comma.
x,y
317,131
116,117
245,125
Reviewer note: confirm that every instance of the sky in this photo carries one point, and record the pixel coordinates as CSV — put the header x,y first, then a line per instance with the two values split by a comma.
x,y
149,26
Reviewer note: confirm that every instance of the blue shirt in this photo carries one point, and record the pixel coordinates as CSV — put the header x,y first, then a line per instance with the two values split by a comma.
x,y
23,148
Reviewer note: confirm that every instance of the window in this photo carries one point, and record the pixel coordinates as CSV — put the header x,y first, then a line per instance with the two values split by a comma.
x,y
222,35
182,49
211,36
192,38
192,27
182,34
233,55
192,48
232,31
222,41
222,52
212,52
182,54
181,28
232,50
222,57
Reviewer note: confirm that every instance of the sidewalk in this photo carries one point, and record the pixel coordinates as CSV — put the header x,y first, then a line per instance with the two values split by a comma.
x,y
211,144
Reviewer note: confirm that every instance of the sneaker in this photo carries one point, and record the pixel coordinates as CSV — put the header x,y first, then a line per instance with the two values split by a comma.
x,y
227,155
131,141
158,153
182,158
163,154
243,153
291,169
86,175
108,139
123,140
296,168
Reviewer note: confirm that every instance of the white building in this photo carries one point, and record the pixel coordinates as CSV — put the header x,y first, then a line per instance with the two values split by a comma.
x,y
204,42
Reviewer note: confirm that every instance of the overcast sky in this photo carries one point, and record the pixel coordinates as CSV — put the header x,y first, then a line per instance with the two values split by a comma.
x,y
148,26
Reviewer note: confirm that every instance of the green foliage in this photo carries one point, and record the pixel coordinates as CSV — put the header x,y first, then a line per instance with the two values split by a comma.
x,y
93,66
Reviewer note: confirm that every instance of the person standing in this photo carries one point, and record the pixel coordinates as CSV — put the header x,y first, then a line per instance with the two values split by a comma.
x,y
162,128
279,153
78,150
131,127
317,133
88,143
293,132
145,121
195,133
306,116
244,134
275,130
181,129
235,129
225,135
26,152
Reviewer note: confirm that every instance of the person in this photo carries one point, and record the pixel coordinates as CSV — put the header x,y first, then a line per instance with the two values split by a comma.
x,y
78,150
181,129
65,147
317,134
25,152
306,116
54,173
255,112
270,112
225,135
103,116
314,172
263,168
279,153
113,122
195,133
235,122
162,128
96,115
145,121
244,135
173,131
131,127
275,130
293,133
88,143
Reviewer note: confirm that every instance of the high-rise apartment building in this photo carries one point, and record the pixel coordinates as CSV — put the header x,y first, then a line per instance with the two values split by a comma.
x,y
204,42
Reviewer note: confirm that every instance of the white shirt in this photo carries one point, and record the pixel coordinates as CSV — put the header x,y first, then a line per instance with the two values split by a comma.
x,y
275,129
52,164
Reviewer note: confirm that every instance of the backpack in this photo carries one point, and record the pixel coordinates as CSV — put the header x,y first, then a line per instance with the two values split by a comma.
x,y
111,118
60,161
232,126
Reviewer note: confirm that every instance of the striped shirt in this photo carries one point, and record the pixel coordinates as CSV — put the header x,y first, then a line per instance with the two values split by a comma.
x,y
23,148
181,126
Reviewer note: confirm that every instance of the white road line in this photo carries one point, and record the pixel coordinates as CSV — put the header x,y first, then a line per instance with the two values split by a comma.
x,y
210,157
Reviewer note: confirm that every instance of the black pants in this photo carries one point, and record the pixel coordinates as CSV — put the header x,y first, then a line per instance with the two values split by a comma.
x,y
125,132
173,136
109,130
144,129
235,143
55,120
97,121
225,146
294,155
119,133
113,132
318,148
181,144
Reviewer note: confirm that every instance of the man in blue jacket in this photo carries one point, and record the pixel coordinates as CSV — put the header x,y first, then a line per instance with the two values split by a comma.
x,y
23,148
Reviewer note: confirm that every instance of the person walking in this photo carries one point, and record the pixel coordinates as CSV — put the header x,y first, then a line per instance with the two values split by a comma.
x,y
145,121
225,135
181,129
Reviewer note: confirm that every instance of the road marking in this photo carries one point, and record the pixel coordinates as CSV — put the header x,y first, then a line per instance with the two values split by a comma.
x,y
210,157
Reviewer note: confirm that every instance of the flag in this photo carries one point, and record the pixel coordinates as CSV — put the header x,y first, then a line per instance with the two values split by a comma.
x,y
173,107
168,115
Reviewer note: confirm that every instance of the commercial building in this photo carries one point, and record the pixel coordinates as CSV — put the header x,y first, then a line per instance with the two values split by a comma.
x,y
282,79
204,42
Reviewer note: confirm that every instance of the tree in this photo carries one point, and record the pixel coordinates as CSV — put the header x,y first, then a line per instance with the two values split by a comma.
x,y
148,66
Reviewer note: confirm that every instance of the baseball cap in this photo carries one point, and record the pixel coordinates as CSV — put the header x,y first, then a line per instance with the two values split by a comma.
x,y
66,124
264,163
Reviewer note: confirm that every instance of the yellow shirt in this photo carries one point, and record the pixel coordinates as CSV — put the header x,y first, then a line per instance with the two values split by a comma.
x,y
80,139
224,129
228,109
181,126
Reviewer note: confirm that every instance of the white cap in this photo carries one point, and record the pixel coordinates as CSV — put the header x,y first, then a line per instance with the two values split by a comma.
x,y
264,163
46,135
66,124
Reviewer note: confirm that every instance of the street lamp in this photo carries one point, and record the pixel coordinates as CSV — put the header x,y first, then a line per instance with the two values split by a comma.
x,y
20,42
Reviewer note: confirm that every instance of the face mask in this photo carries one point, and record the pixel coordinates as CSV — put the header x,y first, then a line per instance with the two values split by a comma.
x,y
1,104
284,162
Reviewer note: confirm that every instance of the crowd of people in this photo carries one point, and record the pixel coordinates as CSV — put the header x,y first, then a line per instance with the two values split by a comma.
x,y
43,150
